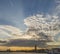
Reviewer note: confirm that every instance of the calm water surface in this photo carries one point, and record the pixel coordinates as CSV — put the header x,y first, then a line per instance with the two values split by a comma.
x,y
19,53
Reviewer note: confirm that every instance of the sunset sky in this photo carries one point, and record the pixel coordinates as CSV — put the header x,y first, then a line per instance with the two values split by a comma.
x,y
17,20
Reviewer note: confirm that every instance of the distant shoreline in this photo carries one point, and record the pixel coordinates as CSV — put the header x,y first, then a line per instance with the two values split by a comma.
x,y
34,51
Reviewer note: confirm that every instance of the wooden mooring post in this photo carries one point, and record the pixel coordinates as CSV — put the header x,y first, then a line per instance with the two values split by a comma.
x,y
35,48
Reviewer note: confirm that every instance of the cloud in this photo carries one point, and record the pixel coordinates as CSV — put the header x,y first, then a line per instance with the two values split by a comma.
x,y
10,32
11,29
53,43
21,42
3,41
47,25
13,36
7,32
57,7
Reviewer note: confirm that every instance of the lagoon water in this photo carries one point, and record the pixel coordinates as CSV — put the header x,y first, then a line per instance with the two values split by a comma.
x,y
19,53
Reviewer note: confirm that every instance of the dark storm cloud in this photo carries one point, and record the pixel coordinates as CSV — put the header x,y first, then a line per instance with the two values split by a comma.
x,y
20,42
3,41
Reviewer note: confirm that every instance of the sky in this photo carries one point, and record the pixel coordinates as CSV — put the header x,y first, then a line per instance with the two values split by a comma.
x,y
13,12
15,16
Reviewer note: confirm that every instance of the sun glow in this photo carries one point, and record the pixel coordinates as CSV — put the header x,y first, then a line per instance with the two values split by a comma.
x,y
16,48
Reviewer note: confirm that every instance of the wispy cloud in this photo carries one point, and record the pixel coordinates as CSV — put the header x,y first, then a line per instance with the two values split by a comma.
x,y
9,31
57,7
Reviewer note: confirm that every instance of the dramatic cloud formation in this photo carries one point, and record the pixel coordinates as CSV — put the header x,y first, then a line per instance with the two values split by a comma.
x,y
48,25
44,26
